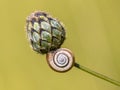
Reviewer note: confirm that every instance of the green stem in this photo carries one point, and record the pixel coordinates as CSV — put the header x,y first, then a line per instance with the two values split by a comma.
x,y
97,74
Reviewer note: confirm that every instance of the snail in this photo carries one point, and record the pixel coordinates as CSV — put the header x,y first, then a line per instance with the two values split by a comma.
x,y
60,60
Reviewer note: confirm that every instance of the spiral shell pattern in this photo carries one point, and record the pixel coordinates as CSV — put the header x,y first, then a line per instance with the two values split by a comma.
x,y
60,60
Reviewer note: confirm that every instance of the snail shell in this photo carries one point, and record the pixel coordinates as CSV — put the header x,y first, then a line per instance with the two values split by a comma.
x,y
60,60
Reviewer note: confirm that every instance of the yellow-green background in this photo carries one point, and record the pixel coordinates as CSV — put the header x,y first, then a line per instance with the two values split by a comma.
x,y
93,34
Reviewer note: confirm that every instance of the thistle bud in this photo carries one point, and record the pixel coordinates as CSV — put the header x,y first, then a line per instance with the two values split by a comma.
x,y
44,32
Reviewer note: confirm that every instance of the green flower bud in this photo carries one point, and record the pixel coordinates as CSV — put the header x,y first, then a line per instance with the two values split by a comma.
x,y
44,32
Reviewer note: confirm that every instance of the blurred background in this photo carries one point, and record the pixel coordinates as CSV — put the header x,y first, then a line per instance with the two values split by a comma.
x,y
93,34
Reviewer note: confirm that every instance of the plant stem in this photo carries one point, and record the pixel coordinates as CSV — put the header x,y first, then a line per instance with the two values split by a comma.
x,y
97,74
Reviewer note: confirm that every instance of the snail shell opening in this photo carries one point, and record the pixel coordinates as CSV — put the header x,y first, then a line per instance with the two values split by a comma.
x,y
60,60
